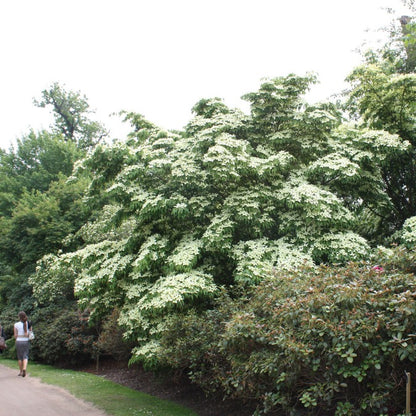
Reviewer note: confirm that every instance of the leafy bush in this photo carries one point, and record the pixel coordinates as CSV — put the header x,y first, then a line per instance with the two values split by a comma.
x,y
325,339
63,336
110,341
192,344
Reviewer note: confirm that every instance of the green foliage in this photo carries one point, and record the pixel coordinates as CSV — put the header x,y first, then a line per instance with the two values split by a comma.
x,y
38,206
16,295
50,283
382,96
38,160
320,339
63,336
110,341
275,103
397,257
40,222
340,248
384,100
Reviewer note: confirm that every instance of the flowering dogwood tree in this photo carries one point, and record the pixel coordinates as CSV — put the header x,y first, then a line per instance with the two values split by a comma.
x,y
227,200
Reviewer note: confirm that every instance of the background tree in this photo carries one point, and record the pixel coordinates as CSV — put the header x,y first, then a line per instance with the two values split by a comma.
x,y
38,160
383,96
71,113
41,208
36,198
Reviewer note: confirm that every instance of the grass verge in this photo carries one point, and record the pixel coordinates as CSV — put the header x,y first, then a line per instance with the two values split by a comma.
x,y
114,399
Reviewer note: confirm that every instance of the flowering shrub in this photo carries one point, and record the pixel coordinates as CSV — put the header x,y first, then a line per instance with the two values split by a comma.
x,y
324,339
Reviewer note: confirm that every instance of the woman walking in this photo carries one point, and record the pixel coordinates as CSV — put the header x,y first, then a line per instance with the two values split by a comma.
x,y
21,335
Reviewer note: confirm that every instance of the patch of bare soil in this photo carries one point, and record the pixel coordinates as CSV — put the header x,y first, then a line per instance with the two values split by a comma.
x,y
182,392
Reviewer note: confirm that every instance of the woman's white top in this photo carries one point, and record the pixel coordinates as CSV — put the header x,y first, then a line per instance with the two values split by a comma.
x,y
21,332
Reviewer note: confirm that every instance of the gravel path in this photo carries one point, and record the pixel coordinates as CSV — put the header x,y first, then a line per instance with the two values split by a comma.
x,y
27,396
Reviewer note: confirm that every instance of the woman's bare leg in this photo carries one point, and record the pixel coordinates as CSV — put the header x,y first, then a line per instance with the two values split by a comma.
x,y
24,366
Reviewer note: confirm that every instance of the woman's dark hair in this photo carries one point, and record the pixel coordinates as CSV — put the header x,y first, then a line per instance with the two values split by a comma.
x,y
23,318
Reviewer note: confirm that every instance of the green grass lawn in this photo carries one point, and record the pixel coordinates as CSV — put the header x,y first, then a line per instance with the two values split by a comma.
x,y
113,398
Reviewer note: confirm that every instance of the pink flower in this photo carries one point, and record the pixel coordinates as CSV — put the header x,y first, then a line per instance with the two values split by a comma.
x,y
378,269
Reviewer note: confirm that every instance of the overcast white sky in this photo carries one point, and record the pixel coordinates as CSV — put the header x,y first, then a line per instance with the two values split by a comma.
x,y
159,57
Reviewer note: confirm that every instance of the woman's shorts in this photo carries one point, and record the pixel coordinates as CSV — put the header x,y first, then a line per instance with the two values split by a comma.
x,y
22,349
